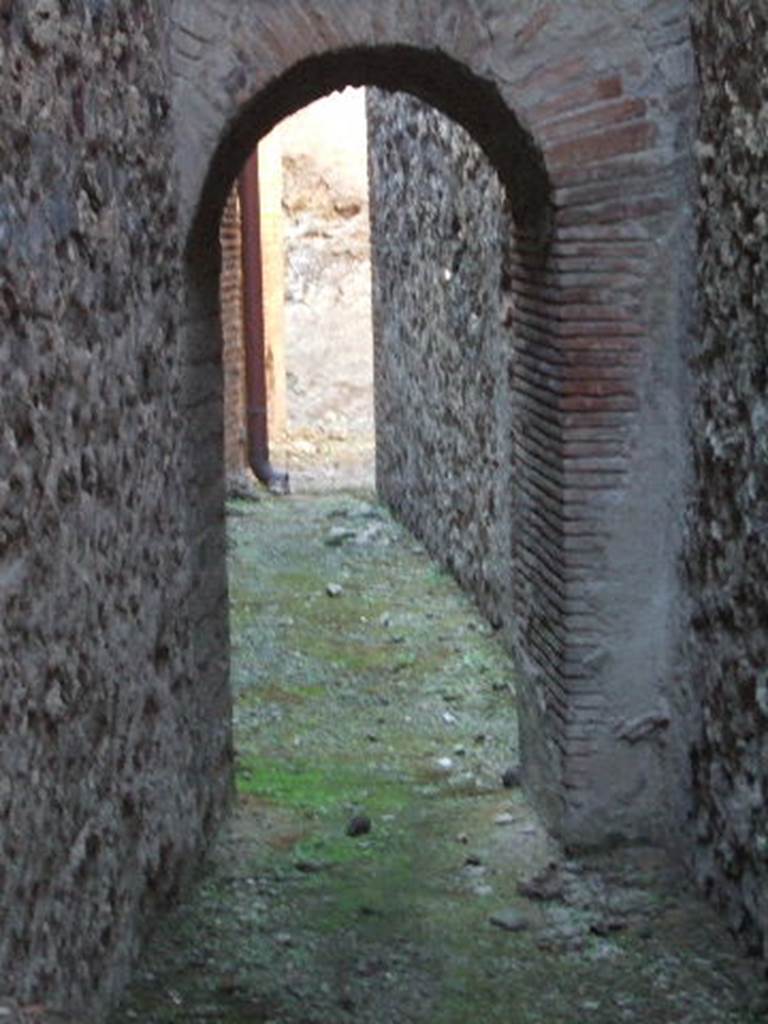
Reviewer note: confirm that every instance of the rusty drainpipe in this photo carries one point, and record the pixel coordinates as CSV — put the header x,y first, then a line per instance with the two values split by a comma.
x,y
257,429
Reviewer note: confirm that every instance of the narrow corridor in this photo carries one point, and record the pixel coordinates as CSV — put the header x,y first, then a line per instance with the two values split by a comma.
x,y
379,867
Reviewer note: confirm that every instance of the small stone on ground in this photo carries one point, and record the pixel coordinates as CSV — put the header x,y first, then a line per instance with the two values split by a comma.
x,y
510,920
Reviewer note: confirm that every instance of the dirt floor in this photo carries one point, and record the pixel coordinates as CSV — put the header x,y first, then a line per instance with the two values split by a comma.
x,y
382,864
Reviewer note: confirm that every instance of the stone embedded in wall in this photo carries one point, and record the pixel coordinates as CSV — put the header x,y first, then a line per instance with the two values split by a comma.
x,y
727,557
113,763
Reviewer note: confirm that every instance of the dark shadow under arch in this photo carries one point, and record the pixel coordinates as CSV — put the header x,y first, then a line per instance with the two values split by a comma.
x,y
434,77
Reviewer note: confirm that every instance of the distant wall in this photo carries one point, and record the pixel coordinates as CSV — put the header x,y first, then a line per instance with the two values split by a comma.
x,y
114,761
728,550
327,266
328,138
315,249
273,279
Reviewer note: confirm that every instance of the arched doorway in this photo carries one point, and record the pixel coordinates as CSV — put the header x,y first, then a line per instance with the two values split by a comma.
x,y
594,379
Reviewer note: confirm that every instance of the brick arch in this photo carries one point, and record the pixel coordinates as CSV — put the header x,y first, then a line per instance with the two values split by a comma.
x,y
591,153
434,77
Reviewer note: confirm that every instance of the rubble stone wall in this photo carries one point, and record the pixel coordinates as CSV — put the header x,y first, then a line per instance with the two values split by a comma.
x,y
442,349
114,762
728,548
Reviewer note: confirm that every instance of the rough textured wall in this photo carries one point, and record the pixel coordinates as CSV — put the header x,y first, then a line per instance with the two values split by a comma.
x,y
728,554
109,773
441,348
529,396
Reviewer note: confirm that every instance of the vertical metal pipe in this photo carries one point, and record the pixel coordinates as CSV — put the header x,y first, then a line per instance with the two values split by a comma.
x,y
257,429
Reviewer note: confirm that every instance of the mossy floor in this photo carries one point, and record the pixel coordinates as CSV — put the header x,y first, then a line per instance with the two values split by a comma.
x,y
367,685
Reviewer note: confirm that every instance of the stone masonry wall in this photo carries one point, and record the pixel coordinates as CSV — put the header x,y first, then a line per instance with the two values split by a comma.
x,y
728,549
114,763
328,293
441,349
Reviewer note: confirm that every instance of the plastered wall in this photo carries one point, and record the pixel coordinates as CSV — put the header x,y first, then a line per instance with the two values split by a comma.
x,y
442,348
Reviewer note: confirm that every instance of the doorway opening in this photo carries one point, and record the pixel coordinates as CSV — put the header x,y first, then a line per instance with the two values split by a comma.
x,y
316,296
567,412
371,699
383,863
572,289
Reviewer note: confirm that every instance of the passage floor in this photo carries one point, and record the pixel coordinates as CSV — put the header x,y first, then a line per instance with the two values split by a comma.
x,y
371,698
